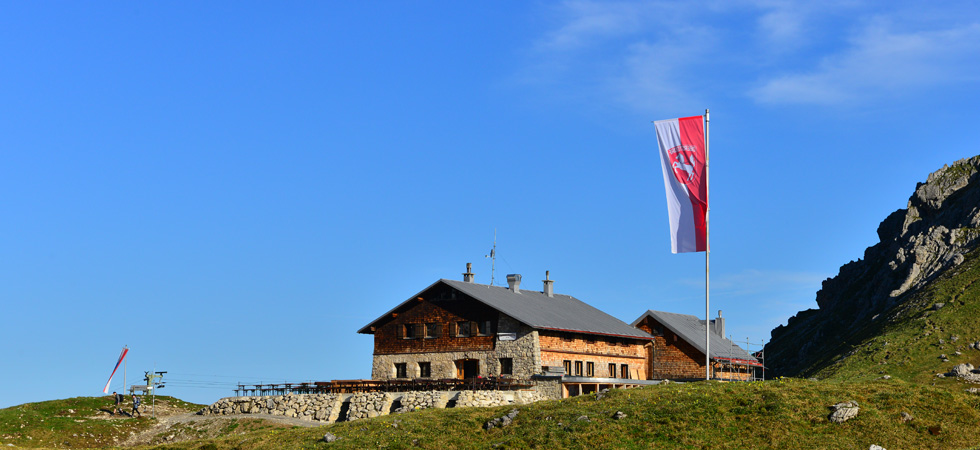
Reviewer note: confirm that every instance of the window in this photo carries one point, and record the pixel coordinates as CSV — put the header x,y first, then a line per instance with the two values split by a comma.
x,y
463,329
506,366
410,331
658,330
590,369
425,369
431,330
624,371
483,328
568,366
578,368
401,370
612,370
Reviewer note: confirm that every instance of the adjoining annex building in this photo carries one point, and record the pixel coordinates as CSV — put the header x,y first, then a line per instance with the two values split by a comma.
x,y
462,330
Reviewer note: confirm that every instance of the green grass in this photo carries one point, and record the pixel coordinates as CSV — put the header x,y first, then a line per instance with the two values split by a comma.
x,y
905,343
789,413
80,422
785,413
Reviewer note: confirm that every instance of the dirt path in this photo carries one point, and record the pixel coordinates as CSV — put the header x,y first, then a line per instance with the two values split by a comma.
x,y
185,426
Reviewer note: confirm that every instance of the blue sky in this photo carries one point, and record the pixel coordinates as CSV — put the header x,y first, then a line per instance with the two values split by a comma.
x,y
233,189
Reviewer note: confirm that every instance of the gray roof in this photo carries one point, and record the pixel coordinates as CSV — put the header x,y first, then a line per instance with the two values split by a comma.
x,y
691,329
537,310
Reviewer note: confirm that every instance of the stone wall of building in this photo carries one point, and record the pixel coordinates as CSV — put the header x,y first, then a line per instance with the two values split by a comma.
x,y
548,387
524,350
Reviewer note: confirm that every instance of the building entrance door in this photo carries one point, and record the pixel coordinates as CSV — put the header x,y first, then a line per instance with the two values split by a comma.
x,y
467,368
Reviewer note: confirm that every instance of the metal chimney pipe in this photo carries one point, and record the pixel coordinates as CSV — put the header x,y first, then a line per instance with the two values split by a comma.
x,y
720,325
514,282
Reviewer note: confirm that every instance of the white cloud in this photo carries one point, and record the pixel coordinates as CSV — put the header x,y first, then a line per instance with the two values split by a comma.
x,y
663,56
634,52
588,21
882,62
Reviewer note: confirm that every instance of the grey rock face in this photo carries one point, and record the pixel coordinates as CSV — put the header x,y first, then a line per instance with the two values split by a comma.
x,y
843,412
501,422
940,224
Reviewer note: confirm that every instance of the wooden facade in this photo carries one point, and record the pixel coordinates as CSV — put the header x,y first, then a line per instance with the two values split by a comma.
x,y
587,355
437,327
673,358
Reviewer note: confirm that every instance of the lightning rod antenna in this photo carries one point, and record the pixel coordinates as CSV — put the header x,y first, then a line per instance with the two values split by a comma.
x,y
493,256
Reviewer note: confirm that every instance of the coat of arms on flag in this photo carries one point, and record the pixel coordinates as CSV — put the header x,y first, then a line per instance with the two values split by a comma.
x,y
683,159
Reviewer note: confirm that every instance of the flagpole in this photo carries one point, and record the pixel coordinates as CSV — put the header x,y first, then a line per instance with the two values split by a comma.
x,y
707,256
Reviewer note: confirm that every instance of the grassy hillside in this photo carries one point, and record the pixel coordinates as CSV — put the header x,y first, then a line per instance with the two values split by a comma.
x,y
910,340
779,414
80,422
787,414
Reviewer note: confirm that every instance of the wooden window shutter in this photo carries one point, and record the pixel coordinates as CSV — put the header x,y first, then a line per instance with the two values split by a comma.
x,y
400,331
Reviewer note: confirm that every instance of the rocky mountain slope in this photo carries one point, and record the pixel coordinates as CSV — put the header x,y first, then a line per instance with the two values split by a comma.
x,y
934,234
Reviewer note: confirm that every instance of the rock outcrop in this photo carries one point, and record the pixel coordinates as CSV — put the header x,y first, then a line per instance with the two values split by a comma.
x,y
934,233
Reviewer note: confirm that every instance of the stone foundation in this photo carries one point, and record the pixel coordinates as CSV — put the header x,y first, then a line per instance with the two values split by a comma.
x,y
326,408
313,407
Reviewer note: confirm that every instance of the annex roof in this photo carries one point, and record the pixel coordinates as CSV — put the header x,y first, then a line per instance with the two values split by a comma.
x,y
538,310
691,329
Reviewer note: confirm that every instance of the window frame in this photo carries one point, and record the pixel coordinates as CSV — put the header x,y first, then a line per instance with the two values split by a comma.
x,y
425,369
409,331
464,329
483,328
506,366
590,369
430,330
401,370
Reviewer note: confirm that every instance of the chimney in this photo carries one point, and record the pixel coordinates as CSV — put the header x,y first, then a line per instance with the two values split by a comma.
x,y
468,276
514,282
720,325
549,290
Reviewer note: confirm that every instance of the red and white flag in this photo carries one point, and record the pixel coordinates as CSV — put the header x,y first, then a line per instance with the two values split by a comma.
x,y
683,158
122,356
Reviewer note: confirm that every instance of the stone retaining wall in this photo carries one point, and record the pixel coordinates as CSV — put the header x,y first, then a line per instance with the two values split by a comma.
x,y
313,407
326,408
369,404
412,401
